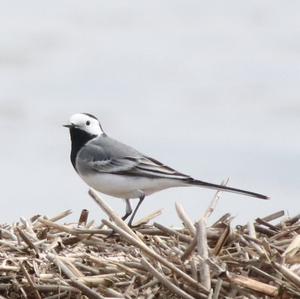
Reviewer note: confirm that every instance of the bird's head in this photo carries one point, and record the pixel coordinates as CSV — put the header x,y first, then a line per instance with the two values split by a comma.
x,y
85,122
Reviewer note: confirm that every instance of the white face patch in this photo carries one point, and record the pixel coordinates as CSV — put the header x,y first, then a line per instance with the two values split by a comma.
x,y
86,123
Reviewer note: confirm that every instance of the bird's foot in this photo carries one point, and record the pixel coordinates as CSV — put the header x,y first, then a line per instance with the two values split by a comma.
x,y
110,235
135,226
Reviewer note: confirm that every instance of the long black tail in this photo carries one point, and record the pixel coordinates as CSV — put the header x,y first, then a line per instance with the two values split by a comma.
x,y
225,188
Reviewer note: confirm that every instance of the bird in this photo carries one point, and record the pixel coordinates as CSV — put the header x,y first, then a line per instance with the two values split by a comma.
x,y
119,170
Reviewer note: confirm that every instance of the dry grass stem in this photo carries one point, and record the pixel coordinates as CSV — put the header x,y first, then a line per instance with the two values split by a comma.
x,y
185,219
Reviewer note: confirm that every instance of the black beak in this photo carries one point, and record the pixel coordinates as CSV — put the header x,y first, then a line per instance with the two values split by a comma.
x,y
68,126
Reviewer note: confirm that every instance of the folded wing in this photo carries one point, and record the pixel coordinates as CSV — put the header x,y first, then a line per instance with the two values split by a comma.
x,y
101,160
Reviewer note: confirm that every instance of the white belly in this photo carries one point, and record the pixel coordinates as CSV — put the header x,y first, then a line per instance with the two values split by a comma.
x,y
127,187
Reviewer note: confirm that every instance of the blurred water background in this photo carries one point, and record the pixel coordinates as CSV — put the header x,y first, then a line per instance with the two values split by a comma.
x,y
210,88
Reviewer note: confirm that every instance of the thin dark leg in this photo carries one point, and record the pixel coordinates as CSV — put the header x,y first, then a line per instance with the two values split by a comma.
x,y
128,209
135,210
127,213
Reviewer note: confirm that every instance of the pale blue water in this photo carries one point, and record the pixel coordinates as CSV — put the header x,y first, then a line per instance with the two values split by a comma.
x,y
210,88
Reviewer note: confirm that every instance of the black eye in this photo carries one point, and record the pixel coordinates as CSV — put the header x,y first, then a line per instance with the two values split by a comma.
x,y
88,123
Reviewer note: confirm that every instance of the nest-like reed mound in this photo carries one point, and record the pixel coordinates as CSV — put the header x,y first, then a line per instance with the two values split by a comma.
x,y
43,258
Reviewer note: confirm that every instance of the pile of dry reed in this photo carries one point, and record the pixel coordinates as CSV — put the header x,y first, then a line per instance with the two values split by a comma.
x,y
41,258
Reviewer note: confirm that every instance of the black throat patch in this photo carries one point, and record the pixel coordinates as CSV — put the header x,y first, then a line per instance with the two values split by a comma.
x,y
78,138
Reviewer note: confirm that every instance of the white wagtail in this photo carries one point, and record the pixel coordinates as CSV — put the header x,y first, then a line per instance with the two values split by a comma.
x,y
119,170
